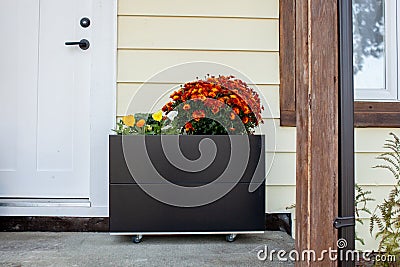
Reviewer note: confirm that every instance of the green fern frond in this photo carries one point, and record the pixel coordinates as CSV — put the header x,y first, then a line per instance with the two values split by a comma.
x,y
387,221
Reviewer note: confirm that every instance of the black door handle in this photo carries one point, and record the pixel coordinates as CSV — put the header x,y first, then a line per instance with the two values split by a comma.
x,y
83,44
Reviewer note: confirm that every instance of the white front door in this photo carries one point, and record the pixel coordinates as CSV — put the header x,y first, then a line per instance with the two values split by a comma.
x,y
45,99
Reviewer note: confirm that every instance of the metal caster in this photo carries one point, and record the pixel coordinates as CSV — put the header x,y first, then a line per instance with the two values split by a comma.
x,y
230,238
137,238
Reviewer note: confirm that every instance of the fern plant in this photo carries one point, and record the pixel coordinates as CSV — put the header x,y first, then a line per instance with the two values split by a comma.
x,y
386,218
361,199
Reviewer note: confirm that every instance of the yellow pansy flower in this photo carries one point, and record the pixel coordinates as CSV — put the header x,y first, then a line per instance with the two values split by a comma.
x,y
128,120
157,116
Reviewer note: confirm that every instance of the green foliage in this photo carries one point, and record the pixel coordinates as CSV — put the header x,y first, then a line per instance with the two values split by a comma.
x,y
209,123
122,129
386,217
150,127
361,200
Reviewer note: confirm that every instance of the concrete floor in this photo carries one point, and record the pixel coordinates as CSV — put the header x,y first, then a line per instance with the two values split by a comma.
x,y
101,249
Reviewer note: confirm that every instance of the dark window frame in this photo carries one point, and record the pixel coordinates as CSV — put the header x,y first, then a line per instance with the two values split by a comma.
x,y
366,114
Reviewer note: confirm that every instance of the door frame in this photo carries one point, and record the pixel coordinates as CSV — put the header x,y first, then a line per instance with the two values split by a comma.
x,y
102,116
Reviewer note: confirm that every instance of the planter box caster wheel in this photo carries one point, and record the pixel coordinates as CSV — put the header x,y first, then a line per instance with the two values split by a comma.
x,y
230,238
137,238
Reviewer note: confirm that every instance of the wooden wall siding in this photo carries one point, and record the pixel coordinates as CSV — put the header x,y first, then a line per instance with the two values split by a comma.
x,y
287,62
317,126
366,114
377,114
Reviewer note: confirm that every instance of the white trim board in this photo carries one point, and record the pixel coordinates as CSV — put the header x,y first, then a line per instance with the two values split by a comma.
x,y
55,211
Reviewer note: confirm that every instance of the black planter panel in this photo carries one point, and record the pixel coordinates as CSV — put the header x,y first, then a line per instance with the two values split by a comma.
x,y
132,210
120,174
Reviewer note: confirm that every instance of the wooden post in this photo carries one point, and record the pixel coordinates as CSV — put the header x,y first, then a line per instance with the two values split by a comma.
x,y
317,127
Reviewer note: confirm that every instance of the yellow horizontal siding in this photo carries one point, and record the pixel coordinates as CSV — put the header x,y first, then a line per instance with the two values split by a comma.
x,y
220,8
278,198
362,231
285,137
367,175
372,139
281,169
197,33
141,65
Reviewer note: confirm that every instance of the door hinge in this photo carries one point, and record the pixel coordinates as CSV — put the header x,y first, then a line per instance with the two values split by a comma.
x,y
340,222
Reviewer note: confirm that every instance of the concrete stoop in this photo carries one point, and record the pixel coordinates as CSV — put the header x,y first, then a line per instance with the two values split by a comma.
x,y
101,249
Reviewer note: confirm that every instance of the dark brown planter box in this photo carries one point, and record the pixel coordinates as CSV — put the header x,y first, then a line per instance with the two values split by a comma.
x,y
134,211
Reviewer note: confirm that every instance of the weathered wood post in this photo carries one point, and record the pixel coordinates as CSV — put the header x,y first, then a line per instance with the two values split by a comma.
x,y
317,120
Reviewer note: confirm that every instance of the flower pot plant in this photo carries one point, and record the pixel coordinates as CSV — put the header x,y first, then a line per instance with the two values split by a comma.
x,y
195,166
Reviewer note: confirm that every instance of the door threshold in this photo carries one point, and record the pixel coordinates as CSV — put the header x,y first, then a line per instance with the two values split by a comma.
x,y
45,202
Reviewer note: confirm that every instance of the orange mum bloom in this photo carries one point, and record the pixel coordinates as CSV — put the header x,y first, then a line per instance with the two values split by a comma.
x,y
209,102
226,90
198,114
215,109
235,101
189,127
246,110
212,94
202,97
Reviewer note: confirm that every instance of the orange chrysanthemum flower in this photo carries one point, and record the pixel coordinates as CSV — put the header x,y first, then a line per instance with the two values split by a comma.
x,y
198,114
246,110
189,127
215,110
211,96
